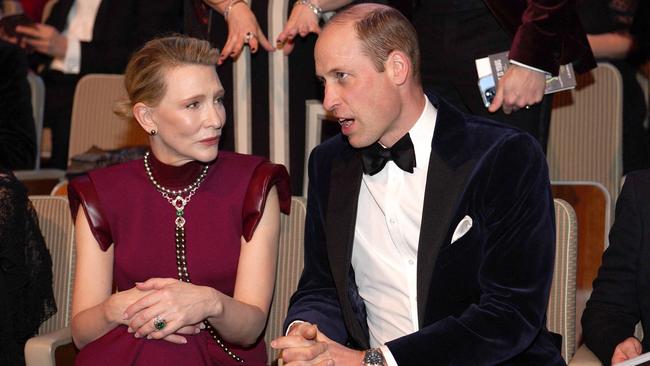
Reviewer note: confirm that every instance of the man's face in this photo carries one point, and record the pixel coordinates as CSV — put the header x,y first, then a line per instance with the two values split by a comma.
x,y
364,101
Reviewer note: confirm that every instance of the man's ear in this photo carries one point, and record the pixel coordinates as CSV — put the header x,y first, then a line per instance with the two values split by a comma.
x,y
143,114
399,67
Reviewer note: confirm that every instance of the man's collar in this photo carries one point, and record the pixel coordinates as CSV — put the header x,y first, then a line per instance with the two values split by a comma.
x,y
423,129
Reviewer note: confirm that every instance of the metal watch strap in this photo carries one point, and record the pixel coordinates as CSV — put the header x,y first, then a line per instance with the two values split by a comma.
x,y
373,357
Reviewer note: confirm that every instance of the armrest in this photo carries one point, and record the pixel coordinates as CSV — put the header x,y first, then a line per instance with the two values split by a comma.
x,y
39,350
584,357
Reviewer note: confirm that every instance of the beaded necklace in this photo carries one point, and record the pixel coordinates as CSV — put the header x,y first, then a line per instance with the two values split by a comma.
x,y
176,199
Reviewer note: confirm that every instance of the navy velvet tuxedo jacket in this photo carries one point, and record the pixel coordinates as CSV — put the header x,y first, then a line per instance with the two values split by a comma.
x,y
481,300
620,297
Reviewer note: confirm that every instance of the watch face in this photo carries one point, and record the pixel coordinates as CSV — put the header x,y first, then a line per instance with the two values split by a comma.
x,y
373,357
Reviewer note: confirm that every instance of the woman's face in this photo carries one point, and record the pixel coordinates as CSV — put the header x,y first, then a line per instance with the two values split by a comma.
x,y
190,116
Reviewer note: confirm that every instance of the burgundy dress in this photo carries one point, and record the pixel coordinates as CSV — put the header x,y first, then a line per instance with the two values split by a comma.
x,y
124,209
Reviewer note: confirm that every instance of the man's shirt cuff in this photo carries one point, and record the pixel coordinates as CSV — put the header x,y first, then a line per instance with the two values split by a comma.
x,y
291,325
71,63
390,360
529,67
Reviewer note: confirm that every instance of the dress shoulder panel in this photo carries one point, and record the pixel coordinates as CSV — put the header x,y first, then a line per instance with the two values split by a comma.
x,y
81,192
265,176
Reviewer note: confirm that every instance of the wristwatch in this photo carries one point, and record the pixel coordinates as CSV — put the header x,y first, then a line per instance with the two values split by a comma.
x,y
373,357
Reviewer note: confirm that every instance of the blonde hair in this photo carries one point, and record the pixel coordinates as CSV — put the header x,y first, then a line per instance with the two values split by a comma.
x,y
144,78
382,30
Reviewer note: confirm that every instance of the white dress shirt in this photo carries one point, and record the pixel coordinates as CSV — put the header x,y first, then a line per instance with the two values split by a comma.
x,y
79,28
387,231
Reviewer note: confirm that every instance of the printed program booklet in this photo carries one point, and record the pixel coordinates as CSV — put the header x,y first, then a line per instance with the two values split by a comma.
x,y
643,359
490,69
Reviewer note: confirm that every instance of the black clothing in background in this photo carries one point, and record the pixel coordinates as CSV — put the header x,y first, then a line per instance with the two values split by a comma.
x,y
17,132
620,298
26,298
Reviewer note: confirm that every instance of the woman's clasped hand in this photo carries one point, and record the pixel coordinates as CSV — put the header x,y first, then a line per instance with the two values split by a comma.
x,y
181,307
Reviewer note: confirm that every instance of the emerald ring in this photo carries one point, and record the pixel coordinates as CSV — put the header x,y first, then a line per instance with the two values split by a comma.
x,y
159,323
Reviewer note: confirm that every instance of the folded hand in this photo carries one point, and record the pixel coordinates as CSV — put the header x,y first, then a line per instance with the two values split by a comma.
x,y
183,307
306,345
44,39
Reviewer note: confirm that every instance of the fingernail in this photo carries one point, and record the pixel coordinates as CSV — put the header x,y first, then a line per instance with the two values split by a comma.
x,y
184,341
202,325
197,330
125,316
129,329
273,344
149,336
137,335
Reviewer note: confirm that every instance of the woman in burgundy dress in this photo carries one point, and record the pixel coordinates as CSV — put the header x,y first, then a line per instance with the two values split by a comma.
x,y
176,252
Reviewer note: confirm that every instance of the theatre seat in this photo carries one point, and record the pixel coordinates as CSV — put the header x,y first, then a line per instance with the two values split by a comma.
x,y
58,231
289,269
561,311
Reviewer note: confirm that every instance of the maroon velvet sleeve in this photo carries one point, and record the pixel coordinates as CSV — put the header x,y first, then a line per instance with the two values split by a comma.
x,y
265,176
546,33
81,192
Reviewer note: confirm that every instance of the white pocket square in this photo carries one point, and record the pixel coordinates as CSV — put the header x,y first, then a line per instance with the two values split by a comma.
x,y
462,228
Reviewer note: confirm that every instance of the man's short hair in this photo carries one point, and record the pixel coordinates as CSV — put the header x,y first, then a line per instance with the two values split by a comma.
x,y
382,30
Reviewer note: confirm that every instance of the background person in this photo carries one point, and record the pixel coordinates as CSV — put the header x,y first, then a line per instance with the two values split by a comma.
x,y
26,297
610,27
619,299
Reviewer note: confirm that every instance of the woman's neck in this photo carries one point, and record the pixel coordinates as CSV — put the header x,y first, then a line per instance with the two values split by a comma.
x,y
171,176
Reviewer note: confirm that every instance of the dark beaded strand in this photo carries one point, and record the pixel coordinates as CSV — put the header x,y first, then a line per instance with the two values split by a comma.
x,y
181,262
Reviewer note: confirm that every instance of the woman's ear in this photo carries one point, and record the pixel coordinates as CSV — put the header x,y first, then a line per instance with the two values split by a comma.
x,y
142,114
399,66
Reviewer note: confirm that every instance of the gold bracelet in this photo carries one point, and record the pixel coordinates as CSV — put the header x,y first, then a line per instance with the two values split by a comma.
x,y
313,7
230,5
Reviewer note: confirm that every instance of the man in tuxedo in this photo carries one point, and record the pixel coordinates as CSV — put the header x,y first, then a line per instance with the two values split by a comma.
x,y
429,237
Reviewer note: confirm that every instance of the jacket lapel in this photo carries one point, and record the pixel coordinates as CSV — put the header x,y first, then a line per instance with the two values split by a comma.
x,y
103,17
447,176
59,14
345,183
446,180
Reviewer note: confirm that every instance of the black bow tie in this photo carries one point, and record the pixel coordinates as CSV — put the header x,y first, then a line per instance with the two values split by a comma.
x,y
376,156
